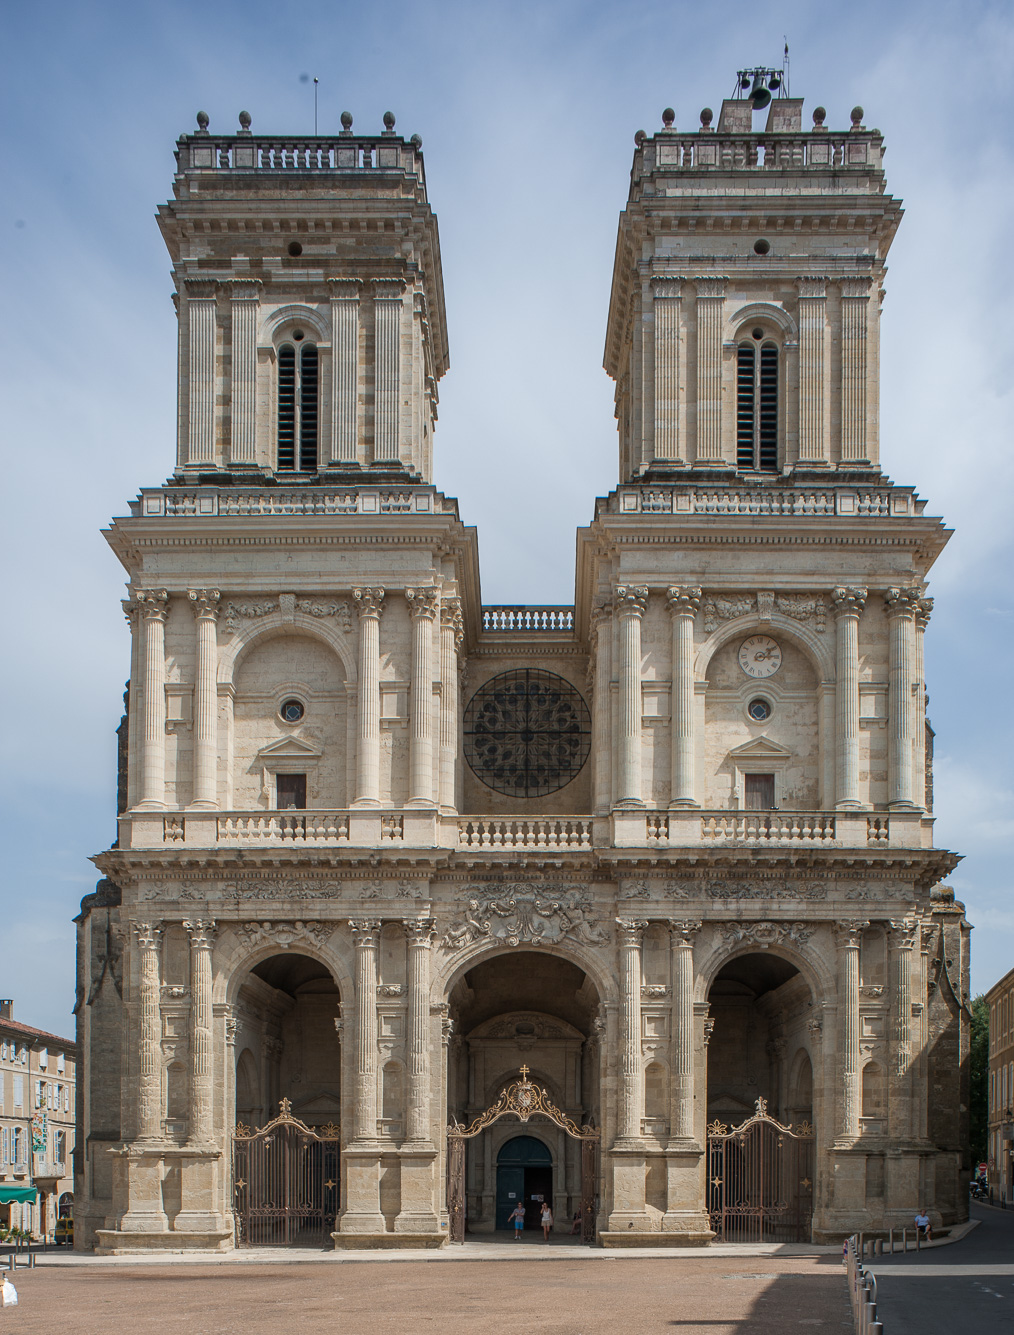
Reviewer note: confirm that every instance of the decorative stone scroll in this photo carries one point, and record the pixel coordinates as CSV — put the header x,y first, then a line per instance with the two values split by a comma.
x,y
804,607
284,934
327,607
765,934
525,914
718,609
236,612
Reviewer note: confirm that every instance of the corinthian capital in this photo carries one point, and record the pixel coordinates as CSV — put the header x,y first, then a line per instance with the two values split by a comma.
x,y
345,289
683,932
631,930
152,603
903,933
812,285
201,288
849,935
670,285
848,601
148,934
204,602
631,600
369,602
243,289
683,601
202,932
923,612
387,289
901,602
422,602
419,931
365,932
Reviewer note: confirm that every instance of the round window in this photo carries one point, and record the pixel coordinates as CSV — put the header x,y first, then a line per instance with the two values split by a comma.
x,y
292,711
761,247
295,249
759,710
527,733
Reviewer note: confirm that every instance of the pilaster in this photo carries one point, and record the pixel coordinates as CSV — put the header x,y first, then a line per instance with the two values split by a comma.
x,y
244,303
202,330
814,372
901,606
344,371
855,301
205,607
387,306
369,604
668,446
710,318
423,605
631,604
848,605
153,606
683,607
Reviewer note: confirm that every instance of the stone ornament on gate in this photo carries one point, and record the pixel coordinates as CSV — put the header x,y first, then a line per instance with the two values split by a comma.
x,y
525,914
765,934
284,934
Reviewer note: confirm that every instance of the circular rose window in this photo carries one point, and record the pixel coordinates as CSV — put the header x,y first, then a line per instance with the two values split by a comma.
x,y
527,733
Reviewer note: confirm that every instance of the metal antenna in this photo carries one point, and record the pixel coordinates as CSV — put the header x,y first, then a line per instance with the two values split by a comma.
x,y
785,68
315,82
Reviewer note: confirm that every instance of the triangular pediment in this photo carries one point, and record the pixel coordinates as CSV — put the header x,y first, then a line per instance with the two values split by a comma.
x,y
290,748
761,748
321,1101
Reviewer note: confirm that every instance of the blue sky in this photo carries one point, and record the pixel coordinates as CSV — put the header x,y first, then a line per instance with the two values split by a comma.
x,y
527,113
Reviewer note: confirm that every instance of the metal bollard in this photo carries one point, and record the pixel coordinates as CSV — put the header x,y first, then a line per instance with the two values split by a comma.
x,y
875,1328
892,1241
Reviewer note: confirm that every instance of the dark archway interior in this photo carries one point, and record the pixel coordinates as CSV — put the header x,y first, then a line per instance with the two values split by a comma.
x,y
761,1007
525,980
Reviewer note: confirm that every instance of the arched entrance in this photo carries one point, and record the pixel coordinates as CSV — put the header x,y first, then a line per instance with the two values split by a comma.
x,y
524,1173
761,1161
286,1166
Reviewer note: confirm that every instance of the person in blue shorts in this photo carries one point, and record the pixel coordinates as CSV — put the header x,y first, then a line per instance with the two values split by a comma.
x,y
518,1219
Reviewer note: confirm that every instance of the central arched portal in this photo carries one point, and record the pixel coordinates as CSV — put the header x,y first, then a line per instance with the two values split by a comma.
x,y
524,1173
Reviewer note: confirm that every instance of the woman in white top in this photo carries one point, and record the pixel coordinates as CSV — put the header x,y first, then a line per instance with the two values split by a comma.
x,y
547,1220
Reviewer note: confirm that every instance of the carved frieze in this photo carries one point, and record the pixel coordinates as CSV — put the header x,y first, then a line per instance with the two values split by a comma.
x,y
765,934
284,934
725,608
525,914
237,612
338,608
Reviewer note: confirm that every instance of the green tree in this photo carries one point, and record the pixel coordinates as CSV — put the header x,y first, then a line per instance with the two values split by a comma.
x,y
978,1063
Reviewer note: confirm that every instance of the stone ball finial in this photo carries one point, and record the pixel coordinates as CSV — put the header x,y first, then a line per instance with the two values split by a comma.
x,y
668,116
639,138
245,120
203,121
707,116
347,121
857,117
415,141
389,121
819,115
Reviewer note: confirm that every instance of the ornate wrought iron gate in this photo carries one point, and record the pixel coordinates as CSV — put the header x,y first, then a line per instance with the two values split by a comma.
x,y
523,1100
286,1182
760,1180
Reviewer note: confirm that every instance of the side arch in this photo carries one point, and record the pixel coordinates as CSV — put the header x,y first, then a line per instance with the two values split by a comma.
x,y
762,310
710,958
448,971
270,627
234,960
819,653
274,322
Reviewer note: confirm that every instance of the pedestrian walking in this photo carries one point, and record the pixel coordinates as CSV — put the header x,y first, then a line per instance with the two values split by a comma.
x,y
517,1217
546,1220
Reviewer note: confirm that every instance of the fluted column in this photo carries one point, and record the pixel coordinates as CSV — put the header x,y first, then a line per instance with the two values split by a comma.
x,y
848,606
344,370
849,937
668,446
244,294
387,305
902,939
631,604
366,935
201,335
630,1028
855,301
814,370
202,936
682,939
683,605
370,606
451,639
710,314
901,606
420,938
422,605
153,605
602,749
149,1120
205,606
921,759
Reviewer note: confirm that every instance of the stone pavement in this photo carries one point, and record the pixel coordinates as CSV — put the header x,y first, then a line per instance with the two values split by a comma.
x,y
970,1287
584,1294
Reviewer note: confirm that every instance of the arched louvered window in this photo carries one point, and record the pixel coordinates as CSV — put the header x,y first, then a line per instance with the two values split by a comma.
x,y
298,414
757,426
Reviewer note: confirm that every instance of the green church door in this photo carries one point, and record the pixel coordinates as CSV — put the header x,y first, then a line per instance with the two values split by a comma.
x,y
524,1174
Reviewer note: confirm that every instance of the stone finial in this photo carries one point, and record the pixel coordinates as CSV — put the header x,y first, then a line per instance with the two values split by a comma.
x,y
416,141
245,120
668,116
639,138
346,122
389,122
203,121
857,118
707,116
819,116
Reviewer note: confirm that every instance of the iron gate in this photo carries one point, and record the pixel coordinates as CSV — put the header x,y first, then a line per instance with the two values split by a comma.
x,y
286,1182
520,1099
760,1180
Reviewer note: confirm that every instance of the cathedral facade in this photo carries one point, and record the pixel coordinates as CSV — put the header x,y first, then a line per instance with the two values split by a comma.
x,y
421,908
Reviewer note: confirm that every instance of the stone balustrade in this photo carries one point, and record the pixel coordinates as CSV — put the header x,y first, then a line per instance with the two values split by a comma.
x,y
212,502
523,618
244,152
625,828
710,151
849,503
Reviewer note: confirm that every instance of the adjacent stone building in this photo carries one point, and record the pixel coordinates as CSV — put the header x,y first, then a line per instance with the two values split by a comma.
x,y
37,1114
1000,1094
653,873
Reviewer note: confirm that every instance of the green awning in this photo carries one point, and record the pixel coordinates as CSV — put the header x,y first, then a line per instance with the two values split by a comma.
x,y
12,1193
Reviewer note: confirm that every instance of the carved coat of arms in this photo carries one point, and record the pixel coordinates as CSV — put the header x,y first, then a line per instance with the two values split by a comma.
x,y
525,915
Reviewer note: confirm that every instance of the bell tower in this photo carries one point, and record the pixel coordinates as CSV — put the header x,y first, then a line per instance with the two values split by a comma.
x,y
743,331
311,316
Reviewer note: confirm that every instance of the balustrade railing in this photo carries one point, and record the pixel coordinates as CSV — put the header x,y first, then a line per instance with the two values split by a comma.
x,y
536,832
749,501
303,827
323,153
767,827
209,502
824,150
525,618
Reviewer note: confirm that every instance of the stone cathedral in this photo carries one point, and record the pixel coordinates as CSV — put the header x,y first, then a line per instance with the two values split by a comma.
x,y
420,908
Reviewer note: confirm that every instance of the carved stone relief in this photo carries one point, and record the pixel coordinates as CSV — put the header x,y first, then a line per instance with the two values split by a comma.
x,y
525,914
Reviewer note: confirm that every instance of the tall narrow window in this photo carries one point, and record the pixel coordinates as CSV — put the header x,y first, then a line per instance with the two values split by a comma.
x,y
298,415
757,405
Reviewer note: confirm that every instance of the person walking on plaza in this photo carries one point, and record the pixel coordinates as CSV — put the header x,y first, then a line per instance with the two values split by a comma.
x,y
518,1218
547,1220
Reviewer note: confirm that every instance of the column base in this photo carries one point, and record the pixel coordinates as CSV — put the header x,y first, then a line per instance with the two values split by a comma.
x,y
199,1221
144,1221
117,1242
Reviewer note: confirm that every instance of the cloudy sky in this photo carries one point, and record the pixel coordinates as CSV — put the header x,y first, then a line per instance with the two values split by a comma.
x,y
527,113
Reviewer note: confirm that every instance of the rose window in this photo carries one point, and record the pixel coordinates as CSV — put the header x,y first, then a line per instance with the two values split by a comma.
x,y
527,733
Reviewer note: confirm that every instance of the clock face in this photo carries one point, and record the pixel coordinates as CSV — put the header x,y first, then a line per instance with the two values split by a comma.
x,y
760,656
